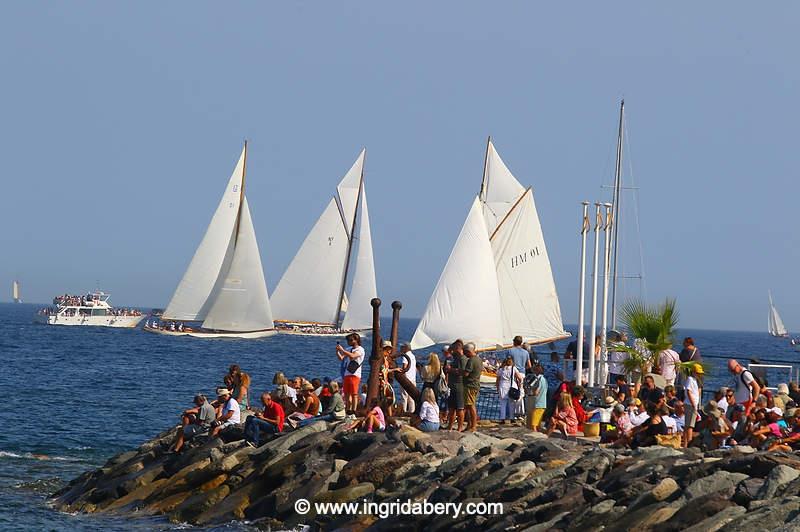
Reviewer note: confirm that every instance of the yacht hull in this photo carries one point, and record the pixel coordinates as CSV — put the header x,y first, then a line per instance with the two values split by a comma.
x,y
124,322
214,334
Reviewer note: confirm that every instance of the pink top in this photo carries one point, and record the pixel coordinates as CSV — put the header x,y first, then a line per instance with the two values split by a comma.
x,y
775,429
379,414
570,418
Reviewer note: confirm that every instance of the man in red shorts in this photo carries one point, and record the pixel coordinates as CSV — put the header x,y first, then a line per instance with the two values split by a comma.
x,y
352,374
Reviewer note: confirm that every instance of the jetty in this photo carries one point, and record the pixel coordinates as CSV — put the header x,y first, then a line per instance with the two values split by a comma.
x,y
541,483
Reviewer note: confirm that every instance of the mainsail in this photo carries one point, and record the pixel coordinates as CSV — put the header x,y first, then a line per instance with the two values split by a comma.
x,y
224,285
15,295
520,277
312,290
192,299
774,322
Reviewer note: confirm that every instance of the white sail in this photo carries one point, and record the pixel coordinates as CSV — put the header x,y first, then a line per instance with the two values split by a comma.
x,y
241,302
348,191
15,292
500,189
191,300
359,310
310,288
528,295
775,323
466,302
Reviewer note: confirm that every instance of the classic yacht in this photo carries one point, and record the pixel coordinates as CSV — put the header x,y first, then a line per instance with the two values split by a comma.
x,y
91,309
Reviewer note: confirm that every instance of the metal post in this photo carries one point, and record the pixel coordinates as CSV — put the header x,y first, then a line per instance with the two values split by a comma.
x,y
604,312
581,292
598,223
375,358
396,306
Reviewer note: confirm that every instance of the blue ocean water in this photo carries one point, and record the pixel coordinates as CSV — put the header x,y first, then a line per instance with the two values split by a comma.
x,y
79,395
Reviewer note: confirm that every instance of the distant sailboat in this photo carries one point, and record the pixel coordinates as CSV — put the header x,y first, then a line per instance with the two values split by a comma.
x,y
15,295
497,282
224,286
311,297
775,325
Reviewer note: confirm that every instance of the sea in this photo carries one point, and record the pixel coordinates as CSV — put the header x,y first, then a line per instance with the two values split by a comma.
x,y
79,395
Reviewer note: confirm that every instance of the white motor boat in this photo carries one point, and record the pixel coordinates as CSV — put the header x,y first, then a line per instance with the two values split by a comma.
x,y
91,310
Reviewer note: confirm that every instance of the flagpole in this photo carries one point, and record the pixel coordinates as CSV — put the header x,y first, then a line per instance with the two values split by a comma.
x,y
598,223
582,292
604,312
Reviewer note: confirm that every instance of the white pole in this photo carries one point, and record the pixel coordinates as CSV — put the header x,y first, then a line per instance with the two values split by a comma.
x,y
604,313
598,224
581,292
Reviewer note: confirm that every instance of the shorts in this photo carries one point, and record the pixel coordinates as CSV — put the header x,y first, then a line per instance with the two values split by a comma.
x,y
537,415
350,384
456,399
429,426
690,417
471,396
190,431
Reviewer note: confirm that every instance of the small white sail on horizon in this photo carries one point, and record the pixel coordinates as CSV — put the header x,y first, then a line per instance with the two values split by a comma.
x,y
224,285
15,292
312,289
520,278
775,325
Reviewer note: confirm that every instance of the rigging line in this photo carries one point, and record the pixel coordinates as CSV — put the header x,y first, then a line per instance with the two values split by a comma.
x,y
643,284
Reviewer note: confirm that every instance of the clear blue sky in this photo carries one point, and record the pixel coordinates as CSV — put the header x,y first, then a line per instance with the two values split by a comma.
x,y
121,123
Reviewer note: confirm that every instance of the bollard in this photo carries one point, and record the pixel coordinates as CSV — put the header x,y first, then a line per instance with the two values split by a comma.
x,y
409,387
375,358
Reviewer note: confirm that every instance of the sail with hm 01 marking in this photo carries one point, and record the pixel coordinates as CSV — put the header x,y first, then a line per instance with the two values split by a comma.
x,y
516,294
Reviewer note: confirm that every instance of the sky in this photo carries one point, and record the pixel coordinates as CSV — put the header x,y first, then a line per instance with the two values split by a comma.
x,y
121,123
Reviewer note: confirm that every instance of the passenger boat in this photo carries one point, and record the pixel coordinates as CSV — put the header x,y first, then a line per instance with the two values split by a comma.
x,y
328,286
90,310
223,293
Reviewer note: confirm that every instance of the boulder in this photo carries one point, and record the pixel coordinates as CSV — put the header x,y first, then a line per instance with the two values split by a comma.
x,y
718,481
747,491
780,475
718,520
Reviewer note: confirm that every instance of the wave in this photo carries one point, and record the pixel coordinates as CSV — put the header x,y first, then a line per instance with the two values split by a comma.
x,y
38,456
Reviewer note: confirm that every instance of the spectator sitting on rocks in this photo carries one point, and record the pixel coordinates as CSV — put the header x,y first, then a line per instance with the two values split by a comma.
x,y
310,406
670,397
428,419
374,420
791,440
645,434
564,418
622,425
781,398
230,415
284,394
679,415
578,394
767,430
334,411
715,429
743,425
637,412
195,421
269,420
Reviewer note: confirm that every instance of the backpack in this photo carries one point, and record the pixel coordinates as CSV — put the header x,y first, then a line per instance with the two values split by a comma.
x,y
440,386
756,378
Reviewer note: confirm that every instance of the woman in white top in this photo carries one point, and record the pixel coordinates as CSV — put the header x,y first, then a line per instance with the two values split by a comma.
x,y
428,412
507,376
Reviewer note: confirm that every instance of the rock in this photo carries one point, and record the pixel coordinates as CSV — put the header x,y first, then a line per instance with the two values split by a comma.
x,y
505,477
697,510
747,491
474,442
412,437
770,516
718,481
356,492
718,520
662,491
779,476
592,466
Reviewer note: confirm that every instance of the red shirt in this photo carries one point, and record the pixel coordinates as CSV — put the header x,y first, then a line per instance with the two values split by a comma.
x,y
580,413
275,411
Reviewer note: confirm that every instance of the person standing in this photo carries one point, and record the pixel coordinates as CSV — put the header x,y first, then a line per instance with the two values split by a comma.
x,y
692,402
455,379
472,385
747,388
536,390
407,402
690,352
352,373
519,354
508,377
666,365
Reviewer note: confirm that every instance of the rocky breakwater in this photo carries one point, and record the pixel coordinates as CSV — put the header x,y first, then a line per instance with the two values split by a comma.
x,y
542,484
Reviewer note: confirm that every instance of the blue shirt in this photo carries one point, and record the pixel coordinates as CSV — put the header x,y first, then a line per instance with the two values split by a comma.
x,y
520,358
541,399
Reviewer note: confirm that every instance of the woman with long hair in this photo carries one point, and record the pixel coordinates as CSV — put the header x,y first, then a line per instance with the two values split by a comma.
x,y
564,418
428,419
241,385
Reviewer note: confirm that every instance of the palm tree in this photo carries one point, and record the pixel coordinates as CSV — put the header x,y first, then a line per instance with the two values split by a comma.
x,y
655,326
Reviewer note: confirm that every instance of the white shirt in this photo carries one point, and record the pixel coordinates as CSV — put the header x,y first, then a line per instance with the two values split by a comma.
x,y
615,360
743,392
670,423
666,361
691,387
232,406
722,404
411,372
429,412
638,419
359,359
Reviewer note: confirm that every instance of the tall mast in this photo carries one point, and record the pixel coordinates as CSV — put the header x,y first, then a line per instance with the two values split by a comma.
x,y
485,163
241,196
338,321
616,202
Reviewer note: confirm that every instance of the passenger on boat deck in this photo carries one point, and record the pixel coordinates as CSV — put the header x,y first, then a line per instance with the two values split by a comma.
x,y
241,385
352,375
230,415
270,420
194,421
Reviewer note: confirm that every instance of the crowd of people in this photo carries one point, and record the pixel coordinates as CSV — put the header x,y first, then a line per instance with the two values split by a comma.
x,y
86,301
660,408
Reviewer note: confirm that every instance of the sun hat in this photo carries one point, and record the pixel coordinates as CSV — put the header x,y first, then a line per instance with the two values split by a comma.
x,y
223,391
307,387
386,343
783,388
610,401
711,409
697,368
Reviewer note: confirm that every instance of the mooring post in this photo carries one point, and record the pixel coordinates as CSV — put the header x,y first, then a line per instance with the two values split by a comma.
x,y
409,387
375,357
